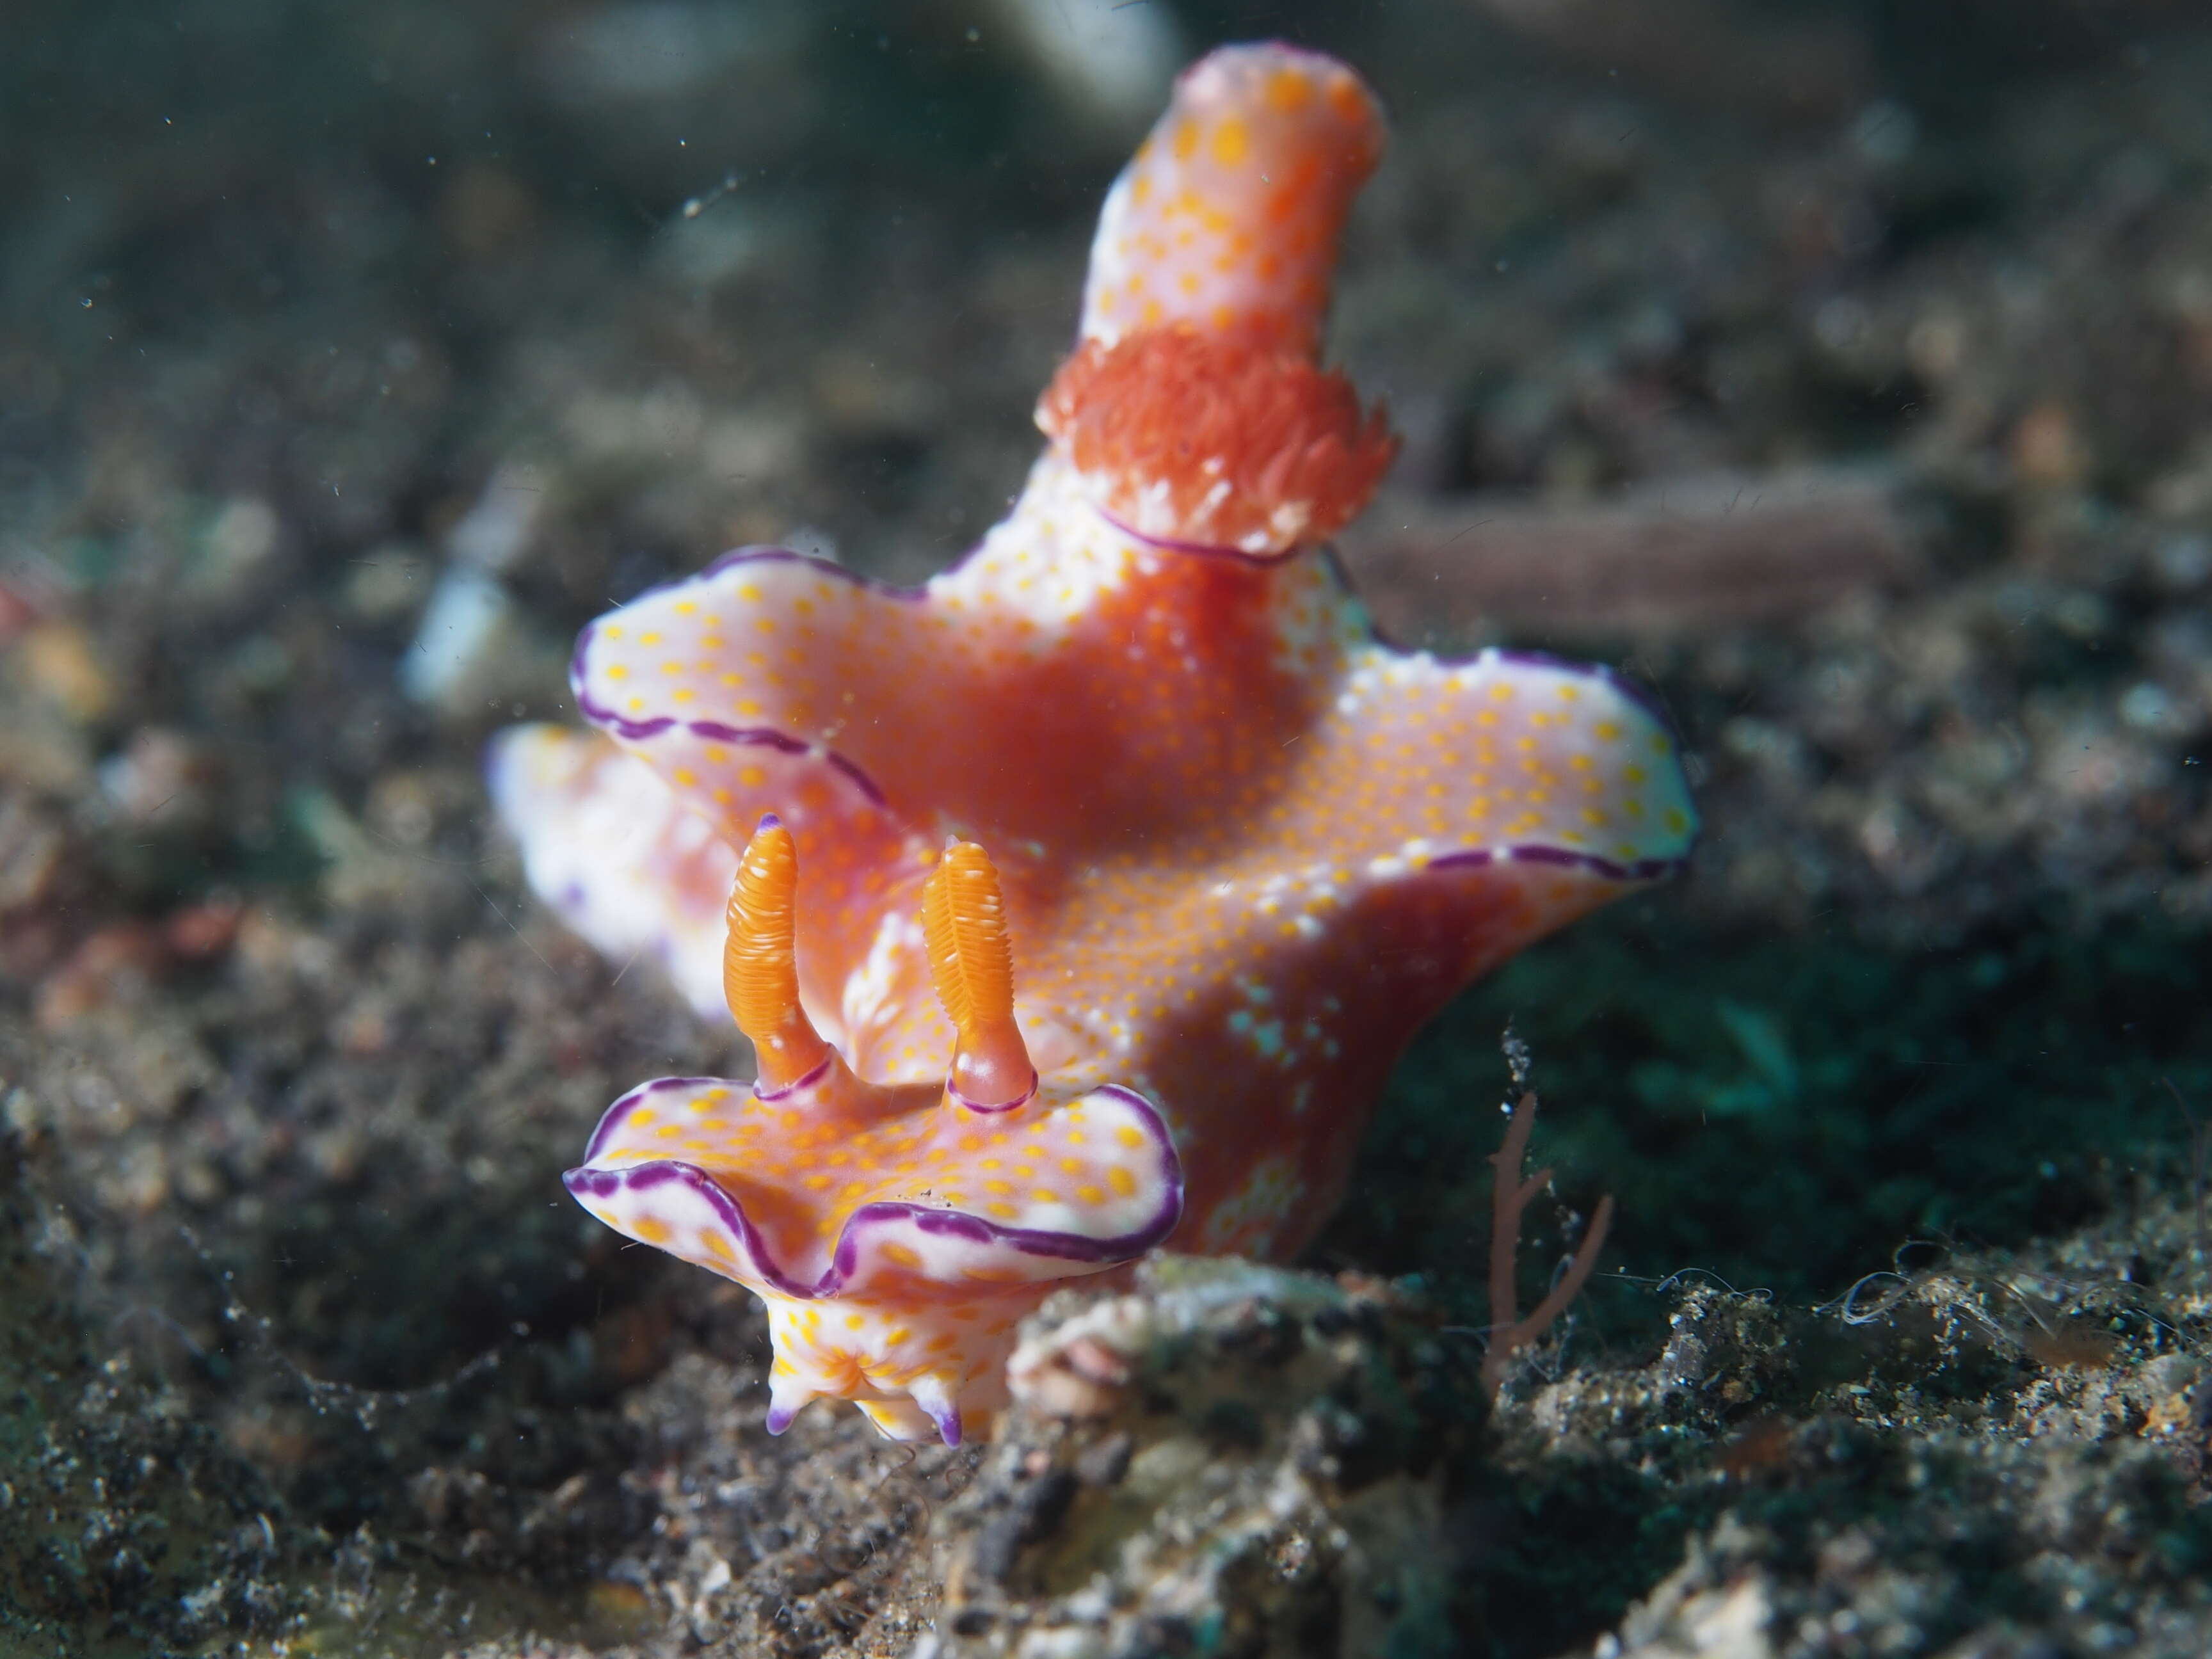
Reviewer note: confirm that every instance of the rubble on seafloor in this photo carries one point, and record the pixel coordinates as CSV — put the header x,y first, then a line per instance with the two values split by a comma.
x,y
126,1525
1229,1458
1994,1458
1986,1455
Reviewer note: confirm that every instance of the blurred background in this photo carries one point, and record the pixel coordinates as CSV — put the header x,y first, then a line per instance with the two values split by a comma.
x,y
1843,368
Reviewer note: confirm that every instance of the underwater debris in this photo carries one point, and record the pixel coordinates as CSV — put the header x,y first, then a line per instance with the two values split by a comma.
x,y
1511,1194
1273,1475
1696,555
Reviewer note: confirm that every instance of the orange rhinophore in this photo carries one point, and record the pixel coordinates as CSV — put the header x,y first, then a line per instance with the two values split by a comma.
x,y
760,971
1239,849
963,915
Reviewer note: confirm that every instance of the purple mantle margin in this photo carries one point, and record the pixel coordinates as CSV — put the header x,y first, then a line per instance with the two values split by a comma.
x,y
586,1181
767,736
1475,858
1642,869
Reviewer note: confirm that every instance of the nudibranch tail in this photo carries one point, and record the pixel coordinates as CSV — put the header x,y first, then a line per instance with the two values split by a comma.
x,y
964,919
1229,215
1192,407
760,967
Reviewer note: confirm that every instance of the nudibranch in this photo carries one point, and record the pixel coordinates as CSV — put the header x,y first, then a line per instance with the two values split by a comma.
x,y
1080,900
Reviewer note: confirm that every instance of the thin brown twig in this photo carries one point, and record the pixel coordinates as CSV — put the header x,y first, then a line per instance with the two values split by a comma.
x,y
1511,1194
